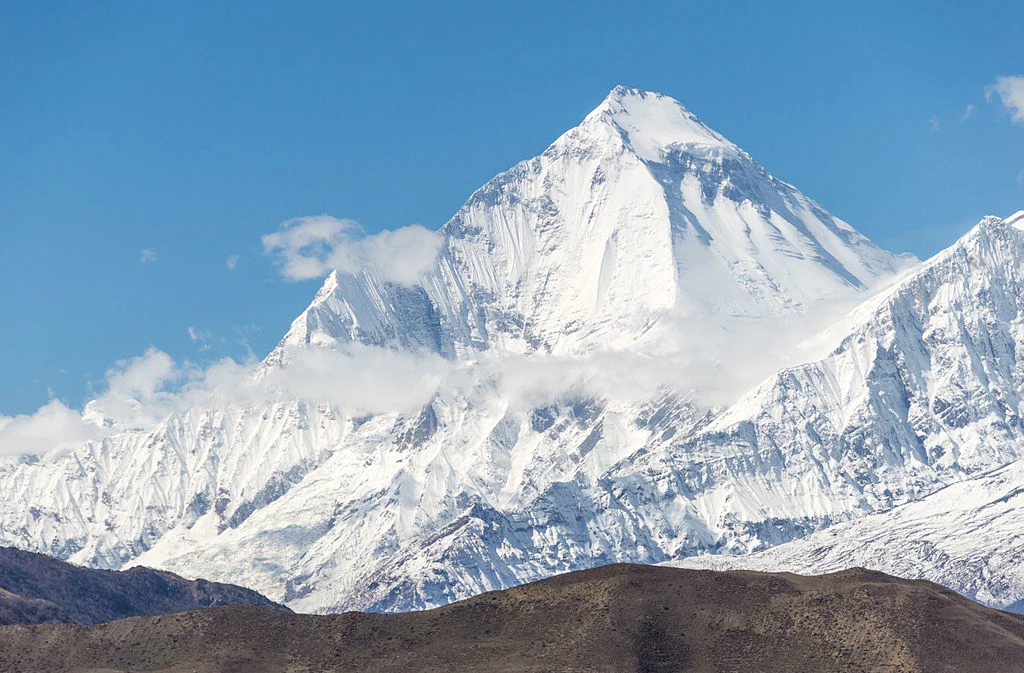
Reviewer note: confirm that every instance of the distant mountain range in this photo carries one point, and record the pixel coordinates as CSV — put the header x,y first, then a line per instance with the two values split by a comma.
x,y
650,350
618,618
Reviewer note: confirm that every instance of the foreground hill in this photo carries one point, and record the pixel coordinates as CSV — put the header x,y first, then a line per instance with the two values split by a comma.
x,y
37,589
616,618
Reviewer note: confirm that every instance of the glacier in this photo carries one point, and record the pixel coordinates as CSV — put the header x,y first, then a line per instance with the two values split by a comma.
x,y
654,350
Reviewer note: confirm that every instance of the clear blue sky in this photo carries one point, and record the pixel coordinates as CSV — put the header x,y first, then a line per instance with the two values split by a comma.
x,y
192,128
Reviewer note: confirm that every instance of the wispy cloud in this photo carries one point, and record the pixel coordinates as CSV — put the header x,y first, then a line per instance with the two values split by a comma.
x,y
967,113
231,262
148,256
1020,177
934,122
1010,91
201,336
310,247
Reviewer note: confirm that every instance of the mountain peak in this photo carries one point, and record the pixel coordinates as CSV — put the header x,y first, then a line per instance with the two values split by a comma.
x,y
652,123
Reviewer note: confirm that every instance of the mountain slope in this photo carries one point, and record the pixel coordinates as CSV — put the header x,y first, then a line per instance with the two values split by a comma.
x,y
36,589
615,618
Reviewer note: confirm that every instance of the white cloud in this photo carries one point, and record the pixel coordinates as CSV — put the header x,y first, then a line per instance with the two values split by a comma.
x,y
967,113
53,426
148,256
359,379
1010,91
231,262
310,247
934,122
1020,177
140,392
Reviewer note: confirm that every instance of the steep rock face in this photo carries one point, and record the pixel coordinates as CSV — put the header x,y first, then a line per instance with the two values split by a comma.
x,y
364,308
110,500
942,395
399,481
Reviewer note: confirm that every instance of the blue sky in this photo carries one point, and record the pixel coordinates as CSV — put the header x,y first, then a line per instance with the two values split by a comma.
x,y
190,130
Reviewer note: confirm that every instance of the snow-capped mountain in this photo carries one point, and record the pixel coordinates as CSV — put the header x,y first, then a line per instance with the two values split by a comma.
x,y
641,242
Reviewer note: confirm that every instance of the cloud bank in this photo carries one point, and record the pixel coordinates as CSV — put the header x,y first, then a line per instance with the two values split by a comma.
x,y
140,392
712,366
311,247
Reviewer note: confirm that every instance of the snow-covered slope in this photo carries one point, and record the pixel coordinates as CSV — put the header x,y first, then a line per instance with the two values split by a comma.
x,y
967,537
637,236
